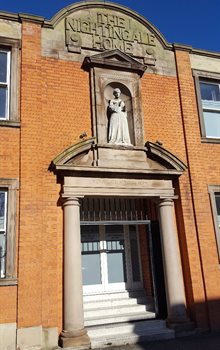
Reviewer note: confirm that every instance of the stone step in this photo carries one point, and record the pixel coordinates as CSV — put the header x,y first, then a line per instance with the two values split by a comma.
x,y
123,334
126,327
118,302
127,339
112,296
111,319
114,311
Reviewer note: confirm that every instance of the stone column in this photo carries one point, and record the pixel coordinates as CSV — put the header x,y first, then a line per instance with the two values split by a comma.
x,y
74,333
175,292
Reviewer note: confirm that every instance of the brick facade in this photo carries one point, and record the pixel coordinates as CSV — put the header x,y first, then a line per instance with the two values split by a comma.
x,y
55,108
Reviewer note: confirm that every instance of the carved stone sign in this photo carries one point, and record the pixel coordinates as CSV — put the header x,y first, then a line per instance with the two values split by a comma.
x,y
80,186
108,30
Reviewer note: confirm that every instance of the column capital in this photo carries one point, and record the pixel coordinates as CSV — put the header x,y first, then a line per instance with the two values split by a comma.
x,y
70,201
162,202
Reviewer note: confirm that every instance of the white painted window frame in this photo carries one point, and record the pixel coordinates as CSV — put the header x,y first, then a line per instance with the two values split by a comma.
x,y
209,77
10,186
210,106
4,232
7,84
12,46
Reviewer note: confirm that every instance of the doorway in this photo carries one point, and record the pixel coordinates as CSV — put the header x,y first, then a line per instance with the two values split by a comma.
x,y
110,258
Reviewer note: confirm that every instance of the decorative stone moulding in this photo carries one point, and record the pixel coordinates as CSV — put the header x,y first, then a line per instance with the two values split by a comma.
x,y
114,59
88,156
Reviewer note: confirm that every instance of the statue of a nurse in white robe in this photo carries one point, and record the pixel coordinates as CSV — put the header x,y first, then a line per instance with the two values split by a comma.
x,y
118,125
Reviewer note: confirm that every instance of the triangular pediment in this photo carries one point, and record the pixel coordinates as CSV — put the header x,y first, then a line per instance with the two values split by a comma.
x,y
114,59
116,55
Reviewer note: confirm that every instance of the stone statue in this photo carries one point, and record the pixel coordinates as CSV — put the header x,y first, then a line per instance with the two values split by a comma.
x,y
118,124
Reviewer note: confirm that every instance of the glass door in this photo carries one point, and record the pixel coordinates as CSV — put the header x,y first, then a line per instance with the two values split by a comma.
x,y
115,258
91,259
110,258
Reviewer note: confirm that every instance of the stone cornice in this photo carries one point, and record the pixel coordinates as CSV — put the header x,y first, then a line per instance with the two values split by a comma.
x,y
23,17
182,47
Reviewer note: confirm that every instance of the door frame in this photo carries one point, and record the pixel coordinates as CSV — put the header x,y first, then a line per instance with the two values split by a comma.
x,y
106,287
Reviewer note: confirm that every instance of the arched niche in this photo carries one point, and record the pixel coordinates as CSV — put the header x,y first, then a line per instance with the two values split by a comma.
x,y
110,70
126,97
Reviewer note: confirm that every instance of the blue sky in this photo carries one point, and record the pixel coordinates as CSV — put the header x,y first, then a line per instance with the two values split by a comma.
x,y
191,22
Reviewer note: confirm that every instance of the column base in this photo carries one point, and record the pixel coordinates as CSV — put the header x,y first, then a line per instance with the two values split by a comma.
x,y
75,339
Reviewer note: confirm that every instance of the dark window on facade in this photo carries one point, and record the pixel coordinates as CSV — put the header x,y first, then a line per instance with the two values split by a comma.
x,y
217,202
214,192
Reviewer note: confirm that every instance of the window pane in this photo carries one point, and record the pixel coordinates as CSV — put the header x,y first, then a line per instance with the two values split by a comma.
x,y
210,92
3,67
211,105
116,267
115,254
91,261
212,124
3,102
2,210
2,255
134,254
91,269
217,201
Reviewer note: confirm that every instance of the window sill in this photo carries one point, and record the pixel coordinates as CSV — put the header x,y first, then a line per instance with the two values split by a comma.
x,y
8,282
10,124
210,140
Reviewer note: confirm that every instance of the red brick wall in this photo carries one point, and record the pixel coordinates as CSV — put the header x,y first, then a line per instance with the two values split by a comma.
x,y
55,109
9,168
163,120
204,169
8,306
